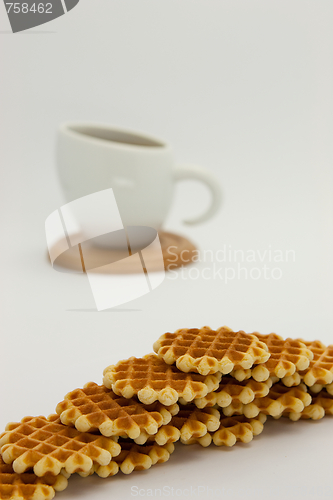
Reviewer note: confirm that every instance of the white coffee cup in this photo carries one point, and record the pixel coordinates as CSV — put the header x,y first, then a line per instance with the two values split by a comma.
x,y
139,168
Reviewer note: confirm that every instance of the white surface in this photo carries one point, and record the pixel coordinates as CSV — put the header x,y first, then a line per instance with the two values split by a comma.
x,y
244,88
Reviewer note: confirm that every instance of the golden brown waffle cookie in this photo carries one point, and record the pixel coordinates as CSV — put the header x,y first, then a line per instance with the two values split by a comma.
x,y
286,357
96,407
319,374
48,446
320,371
151,379
190,422
231,430
207,351
134,457
316,388
322,404
28,486
166,434
231,390
280,399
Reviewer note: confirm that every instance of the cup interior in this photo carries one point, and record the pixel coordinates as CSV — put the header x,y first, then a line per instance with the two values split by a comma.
x,y
114,135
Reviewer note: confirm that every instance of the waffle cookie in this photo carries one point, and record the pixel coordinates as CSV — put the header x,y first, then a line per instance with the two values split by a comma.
x,y
231,390
207,351
281,399
151,379
48,446
286,358
190,422
134,457
28,486
96,407
232,430
322,404
166,434
320,371
319,374
316,388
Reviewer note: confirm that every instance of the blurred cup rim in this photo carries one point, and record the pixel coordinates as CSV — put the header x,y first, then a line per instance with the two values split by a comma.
x,y
114,136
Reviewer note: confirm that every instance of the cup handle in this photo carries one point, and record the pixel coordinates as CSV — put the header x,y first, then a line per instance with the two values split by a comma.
x,y
185,171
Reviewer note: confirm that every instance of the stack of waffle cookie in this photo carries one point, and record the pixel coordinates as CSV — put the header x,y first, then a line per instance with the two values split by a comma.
x,y
200,386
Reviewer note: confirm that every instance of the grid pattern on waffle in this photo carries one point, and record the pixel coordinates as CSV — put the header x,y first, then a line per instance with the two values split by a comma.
x,y
231,430
286,358
151,379
96,407
320,370
209,351
48,446
280,400
231,390
28,485
135,457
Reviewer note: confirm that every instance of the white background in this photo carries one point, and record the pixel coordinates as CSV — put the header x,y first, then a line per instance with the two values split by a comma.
x,y
244,88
